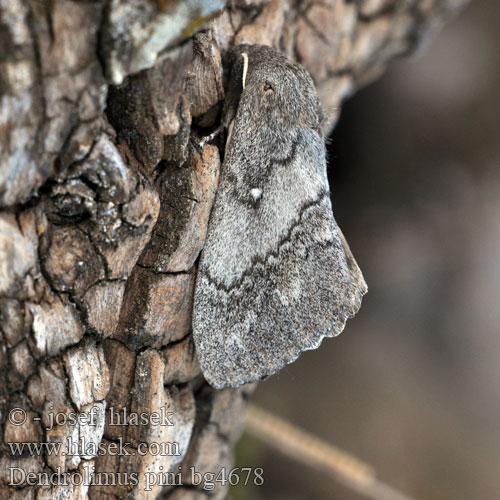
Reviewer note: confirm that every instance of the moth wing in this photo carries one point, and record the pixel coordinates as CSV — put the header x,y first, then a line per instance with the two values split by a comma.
x,y
275,275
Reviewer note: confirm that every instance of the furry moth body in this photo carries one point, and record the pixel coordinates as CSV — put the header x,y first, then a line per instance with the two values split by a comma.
x,y
275,275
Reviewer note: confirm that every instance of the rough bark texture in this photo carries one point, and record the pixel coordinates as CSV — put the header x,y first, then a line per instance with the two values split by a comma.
x,y
104,203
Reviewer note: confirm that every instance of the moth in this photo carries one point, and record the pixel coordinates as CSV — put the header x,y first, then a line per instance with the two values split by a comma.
x,y
275,275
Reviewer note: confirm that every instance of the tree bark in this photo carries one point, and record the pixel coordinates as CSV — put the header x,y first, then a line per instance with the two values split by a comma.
x,y
105,199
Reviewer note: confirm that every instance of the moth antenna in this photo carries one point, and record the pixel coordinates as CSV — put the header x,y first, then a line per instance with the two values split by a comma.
x,y
245,67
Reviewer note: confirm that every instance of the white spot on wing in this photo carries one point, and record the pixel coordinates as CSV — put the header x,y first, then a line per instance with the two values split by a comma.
x,y
256,193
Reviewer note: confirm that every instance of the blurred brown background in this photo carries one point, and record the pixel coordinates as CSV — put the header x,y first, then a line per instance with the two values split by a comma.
x,y
412,386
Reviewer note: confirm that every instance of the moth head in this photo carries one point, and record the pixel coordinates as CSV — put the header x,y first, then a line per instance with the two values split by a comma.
x,y
272,89
267,85
283,87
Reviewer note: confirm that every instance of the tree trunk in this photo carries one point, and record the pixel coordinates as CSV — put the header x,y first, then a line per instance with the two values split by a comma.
x,y
105,199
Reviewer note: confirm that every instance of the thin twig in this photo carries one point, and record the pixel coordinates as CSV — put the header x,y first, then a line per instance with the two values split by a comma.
x,y
304,447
